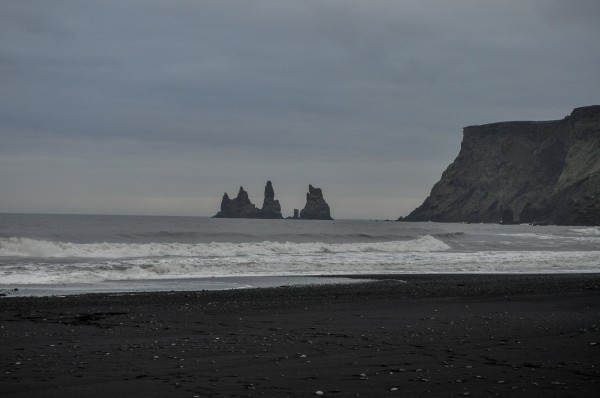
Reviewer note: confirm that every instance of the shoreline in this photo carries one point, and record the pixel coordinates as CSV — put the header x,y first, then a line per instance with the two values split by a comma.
x,y
400,335
220,283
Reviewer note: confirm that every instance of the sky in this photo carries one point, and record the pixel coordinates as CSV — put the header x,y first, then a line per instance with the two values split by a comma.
x,y
159,107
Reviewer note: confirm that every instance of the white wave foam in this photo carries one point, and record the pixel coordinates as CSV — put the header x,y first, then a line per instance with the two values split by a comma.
x,y
24,247
162,268
584,236
529,235
27,261
587,231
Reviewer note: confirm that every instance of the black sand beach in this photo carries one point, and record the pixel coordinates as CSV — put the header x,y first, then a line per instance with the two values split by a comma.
x,y
419,335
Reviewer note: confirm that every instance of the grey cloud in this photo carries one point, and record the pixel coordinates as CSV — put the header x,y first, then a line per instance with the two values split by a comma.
x,y
363,98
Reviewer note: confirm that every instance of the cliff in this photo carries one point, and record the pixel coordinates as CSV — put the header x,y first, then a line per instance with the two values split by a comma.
x,y
522,172
316,207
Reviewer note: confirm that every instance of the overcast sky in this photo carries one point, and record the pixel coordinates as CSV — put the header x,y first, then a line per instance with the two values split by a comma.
x,y
158,107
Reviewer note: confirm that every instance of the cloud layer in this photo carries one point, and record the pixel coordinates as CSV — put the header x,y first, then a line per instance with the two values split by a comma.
x,y
153,107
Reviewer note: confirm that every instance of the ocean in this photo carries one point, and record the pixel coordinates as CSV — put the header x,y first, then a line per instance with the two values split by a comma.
x,y
52,254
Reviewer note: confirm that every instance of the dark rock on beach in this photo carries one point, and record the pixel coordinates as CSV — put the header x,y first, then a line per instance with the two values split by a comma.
x,y
316,208
522,172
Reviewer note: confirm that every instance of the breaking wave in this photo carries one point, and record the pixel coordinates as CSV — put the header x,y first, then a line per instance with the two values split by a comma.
x,y
25,247
587,231
86,271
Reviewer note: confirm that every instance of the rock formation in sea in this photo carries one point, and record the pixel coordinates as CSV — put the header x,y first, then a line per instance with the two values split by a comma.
x,y
296,215
271,207
238,207
242,207
316,208
522,172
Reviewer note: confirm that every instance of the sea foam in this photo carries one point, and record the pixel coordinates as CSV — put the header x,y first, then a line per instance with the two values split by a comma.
x,y
34,271
587,231
25,247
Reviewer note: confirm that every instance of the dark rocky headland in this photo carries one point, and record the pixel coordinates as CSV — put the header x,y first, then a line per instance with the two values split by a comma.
x,y
522,172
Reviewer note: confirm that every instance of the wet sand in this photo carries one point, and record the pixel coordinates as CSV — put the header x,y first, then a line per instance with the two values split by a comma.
x,y
418,335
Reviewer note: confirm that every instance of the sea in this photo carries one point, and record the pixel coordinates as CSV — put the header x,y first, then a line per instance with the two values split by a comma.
x,y
42,254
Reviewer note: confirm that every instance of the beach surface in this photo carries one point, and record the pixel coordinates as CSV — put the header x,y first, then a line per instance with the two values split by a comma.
x,y
398,335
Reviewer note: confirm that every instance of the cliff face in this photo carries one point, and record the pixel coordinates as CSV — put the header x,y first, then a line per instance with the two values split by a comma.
x,y
522,172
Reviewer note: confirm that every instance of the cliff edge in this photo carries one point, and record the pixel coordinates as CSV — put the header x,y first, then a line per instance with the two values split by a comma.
x,y
522,172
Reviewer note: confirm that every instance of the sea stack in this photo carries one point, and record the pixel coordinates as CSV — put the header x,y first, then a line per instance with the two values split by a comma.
x,y
271,207
239,207
522,172
242,207
316,208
